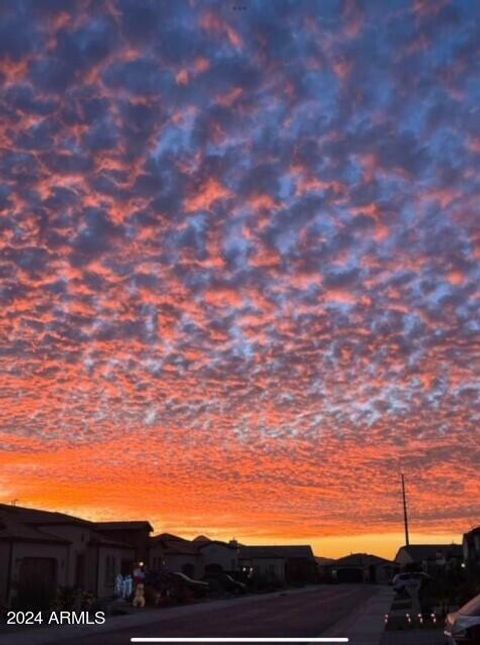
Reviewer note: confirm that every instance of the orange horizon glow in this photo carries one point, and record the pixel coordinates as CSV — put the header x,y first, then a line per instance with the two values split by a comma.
x,y
384,545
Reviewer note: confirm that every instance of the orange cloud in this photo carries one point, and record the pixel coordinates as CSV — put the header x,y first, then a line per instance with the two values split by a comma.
x,y
206,196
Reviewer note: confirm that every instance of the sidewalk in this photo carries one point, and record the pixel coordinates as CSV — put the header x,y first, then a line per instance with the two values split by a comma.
x,y
56,634
365,626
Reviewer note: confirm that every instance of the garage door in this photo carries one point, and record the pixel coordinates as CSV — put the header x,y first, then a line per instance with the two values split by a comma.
x,y
36,583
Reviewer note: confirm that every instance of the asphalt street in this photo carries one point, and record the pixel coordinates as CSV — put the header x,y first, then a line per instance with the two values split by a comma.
x,y
293,615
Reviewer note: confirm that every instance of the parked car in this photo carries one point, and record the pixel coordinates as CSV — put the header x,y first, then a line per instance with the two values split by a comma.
x,y
224,582
409,580
183,587
462,627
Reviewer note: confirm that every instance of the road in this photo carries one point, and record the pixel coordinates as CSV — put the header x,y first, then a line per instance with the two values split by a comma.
x,y
295,615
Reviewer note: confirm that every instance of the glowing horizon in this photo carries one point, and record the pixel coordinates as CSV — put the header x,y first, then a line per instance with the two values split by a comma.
x,y
239,266
384,545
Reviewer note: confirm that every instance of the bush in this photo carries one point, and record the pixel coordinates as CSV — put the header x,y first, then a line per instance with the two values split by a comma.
x,y
68,598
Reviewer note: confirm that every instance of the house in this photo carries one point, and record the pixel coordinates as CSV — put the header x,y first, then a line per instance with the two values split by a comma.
x,y
217,555
105,559
324,567
27,553
362,567
471,547
175,554
54,550
283,564
265,562
430,557
134,533
194,558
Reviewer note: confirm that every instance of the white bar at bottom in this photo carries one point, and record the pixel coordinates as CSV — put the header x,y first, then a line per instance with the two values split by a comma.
x,y
238,640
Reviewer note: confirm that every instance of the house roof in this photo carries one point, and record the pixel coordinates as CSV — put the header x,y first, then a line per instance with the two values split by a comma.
x,y
128,525
472,532
323,561
202,544
101,540
420,552
278,552
174,545
11,529
361,560
35,516
168,536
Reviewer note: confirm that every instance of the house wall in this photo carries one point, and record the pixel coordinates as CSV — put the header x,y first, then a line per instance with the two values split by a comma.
x,y
268,567
323,572
224,556
155,556
136,537
91,564
57,552
476,546
351,574
79,537
4,559
184,562
107,559
301,570
189,564
109,566
471,547
103,564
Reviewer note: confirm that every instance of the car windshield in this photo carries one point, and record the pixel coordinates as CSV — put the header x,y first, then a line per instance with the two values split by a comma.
x,y
472,608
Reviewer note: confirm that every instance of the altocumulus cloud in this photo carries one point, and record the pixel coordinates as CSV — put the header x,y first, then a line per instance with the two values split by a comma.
x,y
239,260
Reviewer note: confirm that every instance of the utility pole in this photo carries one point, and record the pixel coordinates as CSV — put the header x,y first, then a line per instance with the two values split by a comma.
x,y
405,514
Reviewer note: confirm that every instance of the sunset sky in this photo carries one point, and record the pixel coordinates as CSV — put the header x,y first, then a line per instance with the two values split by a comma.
x,y
239,266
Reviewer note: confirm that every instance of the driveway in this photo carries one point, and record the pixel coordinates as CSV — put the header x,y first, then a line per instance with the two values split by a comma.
x,y
414,637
